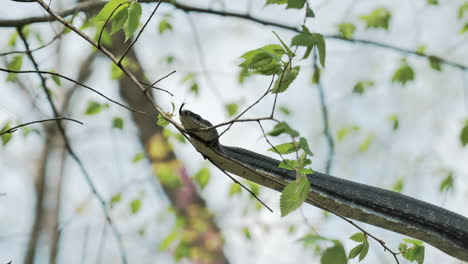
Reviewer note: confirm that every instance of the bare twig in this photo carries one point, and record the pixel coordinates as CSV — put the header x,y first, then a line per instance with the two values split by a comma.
x,y
57,36
13,129
158,80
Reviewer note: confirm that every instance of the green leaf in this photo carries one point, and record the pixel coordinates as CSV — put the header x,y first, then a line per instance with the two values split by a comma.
x,y
12,40
119,20
395,122
169,240
309,12
254,188
447,183
263,61
398,186
432,2
294,194
464,29
334,255
464,134
462,9
246,232
14,65
367,142
403,74
283,128
56,79
311,239
276,2
304,145
421,49
286,148
202,177
108,8
288,50
288,164
135,206
415,253
346,30
232,108
316,75
364,251
234,189
138,157
343,132
115,199
359,237
285,110
164,25
116,72
134,15
284,80
435,63
296,3
162,122
361,86
194,88
7,136
310,40
94,108
414,241
378,18
117,123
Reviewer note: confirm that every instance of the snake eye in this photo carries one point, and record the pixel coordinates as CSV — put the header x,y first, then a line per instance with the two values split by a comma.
x,y
197,117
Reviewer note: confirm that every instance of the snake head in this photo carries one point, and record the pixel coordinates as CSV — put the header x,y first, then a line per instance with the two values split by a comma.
x,y
193,122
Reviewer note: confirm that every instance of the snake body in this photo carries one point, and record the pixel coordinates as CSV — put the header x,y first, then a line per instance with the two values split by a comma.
x,y
393,211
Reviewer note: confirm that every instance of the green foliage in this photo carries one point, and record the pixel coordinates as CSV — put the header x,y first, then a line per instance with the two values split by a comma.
x,y
361,86
311,239
246,232
134,15
169,240
254,188
464,134
118,22
108,8
14,65
359,237
345,131
277,2
7,136
414,253
310,40
202,177
309,11
234,189
56,79
296,3
334,255
346,30
285,110
304,145
398,186
231,109
191,78
462,9
285,79
378,18
403,74
283,128
12,39
360,249
94,107
294,194
395,121
162,122
367,142
135,206
432,2
447,183
435,63
263,61
115,199
286,48
138,157
316,75
464,29
164,24
285,148
421,49
117,123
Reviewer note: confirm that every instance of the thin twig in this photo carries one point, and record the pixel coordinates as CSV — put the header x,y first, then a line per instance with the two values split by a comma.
x,y
57,36
158,80
13,129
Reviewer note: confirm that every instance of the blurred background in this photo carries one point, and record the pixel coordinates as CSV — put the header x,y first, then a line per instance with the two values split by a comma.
x,y
395,119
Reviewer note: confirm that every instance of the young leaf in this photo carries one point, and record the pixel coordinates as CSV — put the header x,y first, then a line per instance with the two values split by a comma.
x,y
162,122
133,20
361,86
345,131
135,206
462,9
309,12
311,239
286,148
346,30
367,142
285,79
119,20
447,183
464,134
435,63
359,237
395,122
294,194
246,232
276,2
334,255
464,29
283,128
285,110
138,157
304,145
7,136
232,108
14,65
56,79
403,74
378,18
202,177
169,240
107,10
117,123
310,40
398,186
94,108
116,198
234,189
288,164
288,50
415,253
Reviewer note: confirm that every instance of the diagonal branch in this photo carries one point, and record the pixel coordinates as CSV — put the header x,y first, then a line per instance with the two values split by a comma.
x,y
13,129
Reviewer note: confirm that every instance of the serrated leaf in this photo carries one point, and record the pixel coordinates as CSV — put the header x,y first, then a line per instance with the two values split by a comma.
x,y
304,145
283,128
108,8
447,183
359,237
133,20
415,253
264,61
14,65
284,80
296,4
435,63
285,148
346,30
294,194
355,251
288,164
135,206
119,20
310,40
138,157
361,86
232,108
162,122
334,255
202,177
7,136
378,18
367,142
403,74
234,189
464,134
117,123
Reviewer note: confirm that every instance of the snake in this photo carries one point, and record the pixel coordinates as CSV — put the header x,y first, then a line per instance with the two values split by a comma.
x,y
439,227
